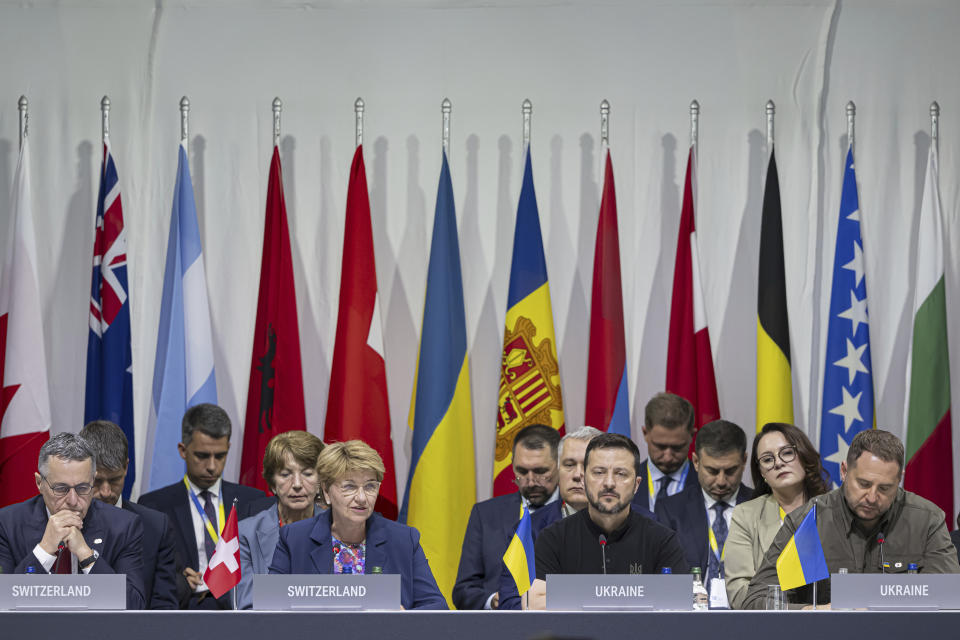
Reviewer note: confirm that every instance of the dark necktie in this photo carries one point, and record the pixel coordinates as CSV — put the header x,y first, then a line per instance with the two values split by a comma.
x,y
63,564
664,483
209,544
715,566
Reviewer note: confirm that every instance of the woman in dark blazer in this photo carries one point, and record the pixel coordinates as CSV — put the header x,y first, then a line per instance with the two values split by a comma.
x,y
350,537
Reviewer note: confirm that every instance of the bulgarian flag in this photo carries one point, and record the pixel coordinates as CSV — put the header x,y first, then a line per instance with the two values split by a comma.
x,y
929,471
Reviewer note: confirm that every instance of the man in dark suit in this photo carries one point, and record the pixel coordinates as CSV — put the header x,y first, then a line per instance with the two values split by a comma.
x,y
492,521
700,515
198,505
668,428
159,560
80,534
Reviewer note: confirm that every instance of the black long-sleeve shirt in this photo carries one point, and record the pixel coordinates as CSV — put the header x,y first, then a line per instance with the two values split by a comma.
x,y
640,545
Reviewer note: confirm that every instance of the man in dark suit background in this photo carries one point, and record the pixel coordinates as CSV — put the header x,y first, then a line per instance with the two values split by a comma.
x,y
199,504
700,515
80,534
492,521
668,430
110,446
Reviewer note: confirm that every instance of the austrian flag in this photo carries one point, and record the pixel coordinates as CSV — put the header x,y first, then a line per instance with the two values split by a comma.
x,y
223,572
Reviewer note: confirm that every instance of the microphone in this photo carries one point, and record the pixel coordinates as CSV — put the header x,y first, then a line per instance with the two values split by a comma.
x,y
603,552
880,539
56,563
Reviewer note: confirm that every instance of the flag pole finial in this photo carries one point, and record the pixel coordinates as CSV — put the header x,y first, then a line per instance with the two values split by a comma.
x,y
771,111
105,118
851,117
277,108
445,107
527,112
694,124
358,106
22,106
184,120
604,124
935,125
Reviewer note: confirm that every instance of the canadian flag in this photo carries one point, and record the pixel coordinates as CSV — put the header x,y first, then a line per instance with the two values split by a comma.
x,y
223,571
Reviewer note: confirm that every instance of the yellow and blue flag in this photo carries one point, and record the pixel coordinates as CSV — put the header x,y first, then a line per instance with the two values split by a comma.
x,y
802,561
519,557
529,370
441,487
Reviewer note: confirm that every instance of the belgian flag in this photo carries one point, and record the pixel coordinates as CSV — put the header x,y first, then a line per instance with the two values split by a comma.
x,y
774,389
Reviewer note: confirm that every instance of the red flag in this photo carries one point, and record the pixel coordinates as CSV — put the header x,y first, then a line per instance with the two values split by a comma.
x,y
223,571
24,395
689,359
357,407
275,395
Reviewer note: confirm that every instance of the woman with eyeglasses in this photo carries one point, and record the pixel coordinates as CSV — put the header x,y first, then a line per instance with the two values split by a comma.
x,y
786,472
350,537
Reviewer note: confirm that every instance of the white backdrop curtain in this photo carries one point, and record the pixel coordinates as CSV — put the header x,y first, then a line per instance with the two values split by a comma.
x,y
649,58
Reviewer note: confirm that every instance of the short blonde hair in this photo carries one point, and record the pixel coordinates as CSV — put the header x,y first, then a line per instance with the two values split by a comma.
x,y
304,447
341,458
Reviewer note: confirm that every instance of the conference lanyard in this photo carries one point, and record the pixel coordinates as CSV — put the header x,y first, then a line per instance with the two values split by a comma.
x,y
211,530
783,514
683,479
714,547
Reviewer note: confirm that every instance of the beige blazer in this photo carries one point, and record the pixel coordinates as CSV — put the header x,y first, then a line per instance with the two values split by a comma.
x,y
753,526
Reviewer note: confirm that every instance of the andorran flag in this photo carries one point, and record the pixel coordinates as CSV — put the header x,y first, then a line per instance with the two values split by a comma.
x,y
802,561
529,370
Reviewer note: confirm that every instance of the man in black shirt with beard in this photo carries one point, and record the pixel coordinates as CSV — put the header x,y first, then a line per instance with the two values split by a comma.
x,y
633,543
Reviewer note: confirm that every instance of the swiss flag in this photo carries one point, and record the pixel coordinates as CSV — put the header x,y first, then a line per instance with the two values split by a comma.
x,y
223,571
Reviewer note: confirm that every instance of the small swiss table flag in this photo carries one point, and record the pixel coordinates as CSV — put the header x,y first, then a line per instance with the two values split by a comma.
x,y
223,570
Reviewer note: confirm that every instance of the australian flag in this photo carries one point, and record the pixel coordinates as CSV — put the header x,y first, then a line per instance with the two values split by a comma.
x,y
848,375
109,377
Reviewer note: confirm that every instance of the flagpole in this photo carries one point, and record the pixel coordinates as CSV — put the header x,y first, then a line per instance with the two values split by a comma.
x,y
527,109
771,110
185,122
277,108
233,591
105,119
358,112
22,106
604,135
851,116
935,127
694,126
445,108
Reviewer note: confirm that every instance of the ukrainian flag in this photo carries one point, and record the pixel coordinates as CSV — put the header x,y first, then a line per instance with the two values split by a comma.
x,y
519,557
802,561
529,372
441,487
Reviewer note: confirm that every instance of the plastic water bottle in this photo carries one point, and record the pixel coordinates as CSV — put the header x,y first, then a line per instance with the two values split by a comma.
x,y
666,570
843,571
700,600
375,570
347,568
31,569
913,568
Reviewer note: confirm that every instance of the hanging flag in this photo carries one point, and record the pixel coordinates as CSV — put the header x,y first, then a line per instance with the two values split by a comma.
x,y
109,393
275,395
223,571
848,375
929,449
529,371
774,386
24,395
608,396
519,557
441,487
689,357
802,561
182,376
357,407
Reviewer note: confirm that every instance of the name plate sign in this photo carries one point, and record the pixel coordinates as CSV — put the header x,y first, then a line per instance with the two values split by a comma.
x,y
322,592
598,592
895,592
55,592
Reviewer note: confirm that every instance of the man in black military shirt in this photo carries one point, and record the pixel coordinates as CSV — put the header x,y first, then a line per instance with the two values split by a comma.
x,y
607,536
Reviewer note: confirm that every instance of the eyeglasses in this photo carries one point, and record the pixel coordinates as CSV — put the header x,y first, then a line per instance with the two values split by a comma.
x,y
349,489
61,490
786,454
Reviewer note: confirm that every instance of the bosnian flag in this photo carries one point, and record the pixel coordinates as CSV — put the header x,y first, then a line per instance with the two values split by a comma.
x,y
223,571
109,376
689,357
24,396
